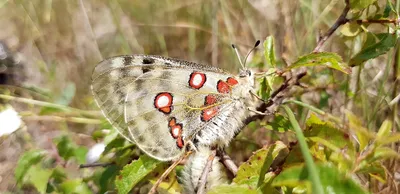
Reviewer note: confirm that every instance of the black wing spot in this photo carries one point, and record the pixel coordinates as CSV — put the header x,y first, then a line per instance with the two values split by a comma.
x,y
146,69
148,60
128,60
141,138
169,65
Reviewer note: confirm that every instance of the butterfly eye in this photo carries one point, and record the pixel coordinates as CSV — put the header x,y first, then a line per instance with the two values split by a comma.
x,y
245,73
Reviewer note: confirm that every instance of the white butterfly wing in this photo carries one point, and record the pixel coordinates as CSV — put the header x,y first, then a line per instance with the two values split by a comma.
x,y
158,102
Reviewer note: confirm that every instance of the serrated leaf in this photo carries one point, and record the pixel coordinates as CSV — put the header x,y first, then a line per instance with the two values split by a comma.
x,y
385,43
331,179
134,172
357,5
233,189
269,51
75,186
252,172
26,161
38,177
350,29
331,60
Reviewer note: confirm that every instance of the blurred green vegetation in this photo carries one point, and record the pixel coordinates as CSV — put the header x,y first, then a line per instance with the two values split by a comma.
x,y
347,109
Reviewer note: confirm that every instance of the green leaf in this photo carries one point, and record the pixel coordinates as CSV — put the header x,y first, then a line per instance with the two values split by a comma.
x,y
350,29
233,189
269,51
107,177
264,91
279,123
331,60
384,131
331,179
363,135
134,172
65,147
375,170
389,9
324,99
357,5
395,137
67,95
26,161
385,42
325,133
68,150
252,172
38,177
80,154
75,186
383,153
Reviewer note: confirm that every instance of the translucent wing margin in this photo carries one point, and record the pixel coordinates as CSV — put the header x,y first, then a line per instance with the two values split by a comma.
x,y
126,90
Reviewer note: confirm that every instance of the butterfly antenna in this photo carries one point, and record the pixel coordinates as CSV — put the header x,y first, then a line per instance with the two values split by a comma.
x,y
255,46
238,55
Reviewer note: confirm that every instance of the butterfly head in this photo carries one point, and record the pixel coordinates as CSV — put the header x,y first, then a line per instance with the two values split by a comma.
x,y
246,74
247,77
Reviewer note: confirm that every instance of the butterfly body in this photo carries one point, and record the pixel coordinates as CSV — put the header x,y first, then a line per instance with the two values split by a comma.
x,y
164,104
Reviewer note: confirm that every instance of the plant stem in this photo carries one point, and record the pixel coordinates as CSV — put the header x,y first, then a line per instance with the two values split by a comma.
x,y
96,114
311,167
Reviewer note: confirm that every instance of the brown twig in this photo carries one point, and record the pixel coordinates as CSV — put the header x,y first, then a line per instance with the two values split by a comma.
x,y
206,170
340,21
276,99
95,165
166,173
228,162
380,21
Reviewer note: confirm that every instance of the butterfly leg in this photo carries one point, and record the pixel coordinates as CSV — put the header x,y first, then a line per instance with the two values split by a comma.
x,y
260,113
255,95
153,189
192,146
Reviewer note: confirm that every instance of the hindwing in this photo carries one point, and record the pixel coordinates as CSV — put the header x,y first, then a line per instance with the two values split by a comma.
x,y
159,103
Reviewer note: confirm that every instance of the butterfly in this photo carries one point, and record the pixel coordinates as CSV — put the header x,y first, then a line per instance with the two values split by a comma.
x,y
166,106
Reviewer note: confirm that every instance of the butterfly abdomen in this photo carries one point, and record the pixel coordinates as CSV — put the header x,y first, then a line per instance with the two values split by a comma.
x,y
194,167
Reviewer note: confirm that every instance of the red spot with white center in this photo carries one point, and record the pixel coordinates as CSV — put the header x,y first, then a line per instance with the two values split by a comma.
x,y
176,131
209,113
197,80
163,102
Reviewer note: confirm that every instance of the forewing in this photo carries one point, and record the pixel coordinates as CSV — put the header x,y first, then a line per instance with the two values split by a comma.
x,y
155,102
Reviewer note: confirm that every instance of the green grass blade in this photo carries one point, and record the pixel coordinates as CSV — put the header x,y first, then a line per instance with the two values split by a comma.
x,y
311,167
